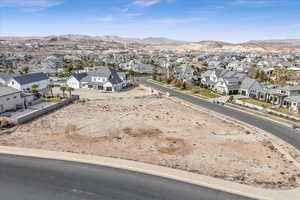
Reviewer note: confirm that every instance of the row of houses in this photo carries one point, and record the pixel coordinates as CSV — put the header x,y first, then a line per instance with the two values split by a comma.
x,y
232,83
287,97
15,89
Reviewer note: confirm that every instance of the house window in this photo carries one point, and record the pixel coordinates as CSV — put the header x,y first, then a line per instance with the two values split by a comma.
x,y
294,104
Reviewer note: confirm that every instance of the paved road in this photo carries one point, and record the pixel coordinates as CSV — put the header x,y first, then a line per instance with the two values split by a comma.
x,y
287,134
24,178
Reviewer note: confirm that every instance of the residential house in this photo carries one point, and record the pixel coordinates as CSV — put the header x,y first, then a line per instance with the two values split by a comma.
x,y
103,79
5,77
231,83
138,67
10,99
249,87
293,103
186,73
277,95
24,83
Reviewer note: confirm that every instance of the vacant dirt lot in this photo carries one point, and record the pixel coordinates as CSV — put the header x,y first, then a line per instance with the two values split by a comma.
x,y
165,132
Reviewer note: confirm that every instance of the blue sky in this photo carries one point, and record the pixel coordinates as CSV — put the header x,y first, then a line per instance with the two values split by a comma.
x,y
190,20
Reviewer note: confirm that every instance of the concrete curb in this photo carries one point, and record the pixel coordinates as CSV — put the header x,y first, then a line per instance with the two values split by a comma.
x,y
209,182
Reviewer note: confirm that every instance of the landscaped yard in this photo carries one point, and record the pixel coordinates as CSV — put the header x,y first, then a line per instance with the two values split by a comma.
x,y
268,105
208,93
203,92
287,112
256,102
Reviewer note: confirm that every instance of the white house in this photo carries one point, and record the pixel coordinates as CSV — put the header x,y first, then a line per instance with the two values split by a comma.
x,y
231,83
24,83
103,79
294,103
10,99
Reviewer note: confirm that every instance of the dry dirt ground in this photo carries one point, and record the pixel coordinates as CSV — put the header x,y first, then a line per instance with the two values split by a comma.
x,y
166,132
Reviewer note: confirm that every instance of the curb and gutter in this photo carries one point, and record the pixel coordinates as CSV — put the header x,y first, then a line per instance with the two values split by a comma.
x,y
174,174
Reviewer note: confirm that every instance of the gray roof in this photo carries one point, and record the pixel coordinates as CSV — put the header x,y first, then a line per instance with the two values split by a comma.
x,y
5,90
292,88
294,98
7,76
247,83
30,78
80,76
105,72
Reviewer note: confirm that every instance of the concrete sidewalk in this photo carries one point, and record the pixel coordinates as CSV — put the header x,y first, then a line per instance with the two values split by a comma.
x,y
209,182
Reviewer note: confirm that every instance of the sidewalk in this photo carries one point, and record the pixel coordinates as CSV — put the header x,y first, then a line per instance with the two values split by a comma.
x,y
204,181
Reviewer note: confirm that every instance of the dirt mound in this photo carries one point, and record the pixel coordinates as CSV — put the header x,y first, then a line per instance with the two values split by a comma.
x,y
173,146
142,132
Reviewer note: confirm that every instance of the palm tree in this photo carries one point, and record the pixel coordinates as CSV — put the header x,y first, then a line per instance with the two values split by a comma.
x,y
34,89
63,89
51,86
70,90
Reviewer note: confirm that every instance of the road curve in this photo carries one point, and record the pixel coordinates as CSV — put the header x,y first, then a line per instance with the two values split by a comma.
x,y
287,134
25,178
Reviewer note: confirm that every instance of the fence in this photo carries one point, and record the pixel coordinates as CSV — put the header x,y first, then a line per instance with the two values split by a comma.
x,y
33,115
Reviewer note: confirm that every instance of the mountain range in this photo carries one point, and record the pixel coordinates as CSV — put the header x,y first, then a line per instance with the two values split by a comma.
x,y
281,45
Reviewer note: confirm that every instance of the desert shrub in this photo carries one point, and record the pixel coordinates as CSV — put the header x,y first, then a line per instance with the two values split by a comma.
x,y
70,128
169,80
178,84
4,122
195,91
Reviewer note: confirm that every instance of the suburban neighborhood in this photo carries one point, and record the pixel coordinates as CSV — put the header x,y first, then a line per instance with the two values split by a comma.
x,y
158,106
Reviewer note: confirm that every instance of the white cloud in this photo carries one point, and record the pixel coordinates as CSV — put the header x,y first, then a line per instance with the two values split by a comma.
x,y
258,3
134,14
29,5
104,19
145,3
174,20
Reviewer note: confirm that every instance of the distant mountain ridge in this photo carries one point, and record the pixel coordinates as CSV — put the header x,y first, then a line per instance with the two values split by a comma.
x,y
291,42
107,38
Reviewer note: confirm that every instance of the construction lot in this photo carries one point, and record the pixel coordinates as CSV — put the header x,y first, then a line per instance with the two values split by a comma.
x,y
137,125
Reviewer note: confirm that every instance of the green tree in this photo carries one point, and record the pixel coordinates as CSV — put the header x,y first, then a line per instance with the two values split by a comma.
x,y
34,88
257,74
25,70
70,90
50,86
63,89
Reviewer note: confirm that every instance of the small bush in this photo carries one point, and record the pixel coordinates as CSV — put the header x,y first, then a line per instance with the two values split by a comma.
x,y
178,84
4,122
195,91
169,81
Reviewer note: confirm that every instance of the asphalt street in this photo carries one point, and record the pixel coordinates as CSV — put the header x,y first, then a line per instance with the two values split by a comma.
x,y
287,134
23,178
